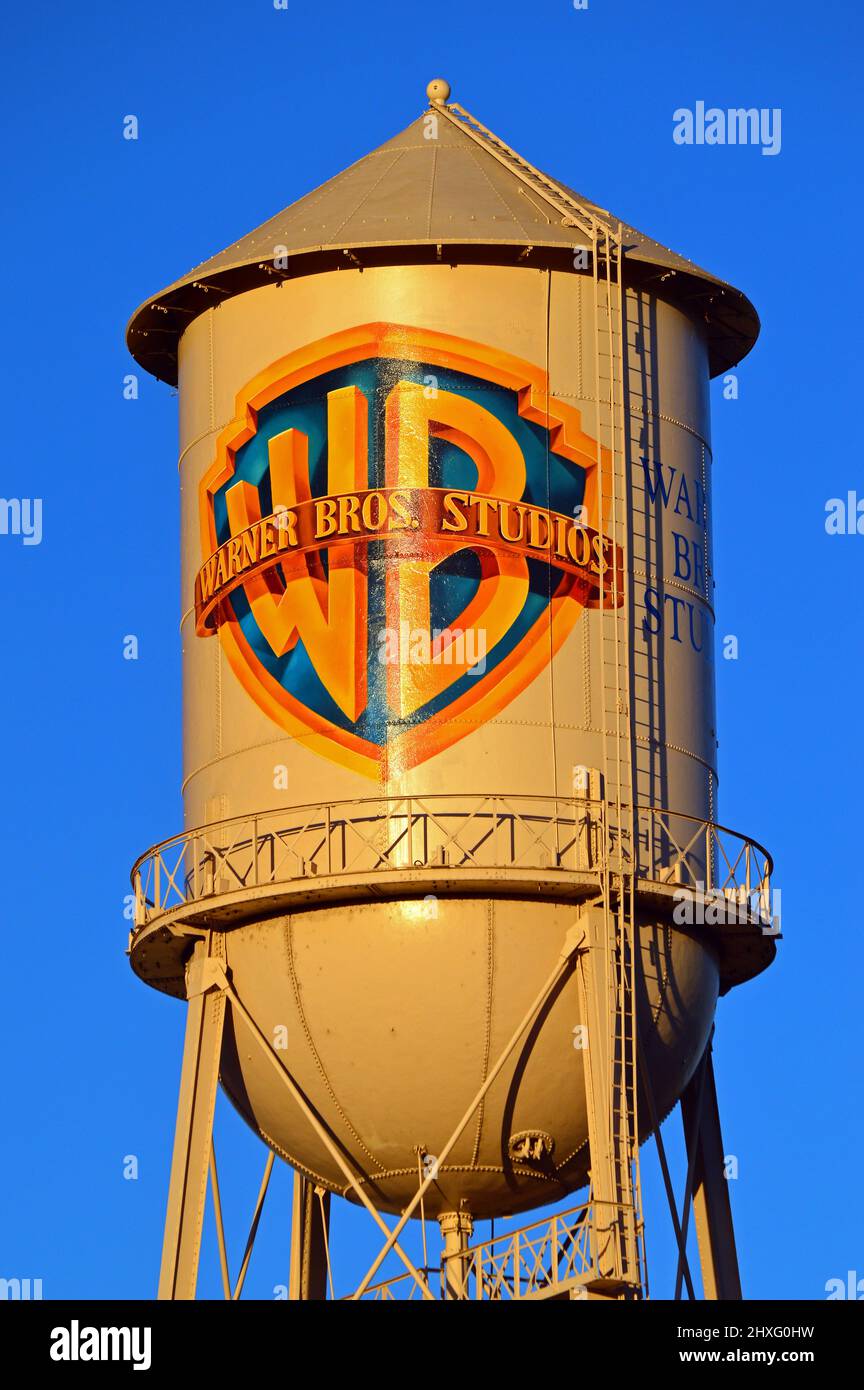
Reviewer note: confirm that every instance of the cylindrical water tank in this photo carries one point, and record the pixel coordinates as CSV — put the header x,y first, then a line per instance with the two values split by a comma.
x,y
413,451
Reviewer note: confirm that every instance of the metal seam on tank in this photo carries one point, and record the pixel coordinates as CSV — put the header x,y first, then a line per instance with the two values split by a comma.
x,y
295,985
574,1153
539,239
667,954
579,336
671,748
584,728
205,434
431,192
662,1118
366,196
237,753
522,1172
498,722
308,199
218,701
502,200
705,534
333,242
586,678
364,1179
387,1174
210,365
216,429
675,584
636,409
487,1042
314,196
302,1167
357,243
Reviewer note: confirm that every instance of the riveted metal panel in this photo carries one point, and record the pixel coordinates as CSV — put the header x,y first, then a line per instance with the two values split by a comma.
x,y
555,724
392,1010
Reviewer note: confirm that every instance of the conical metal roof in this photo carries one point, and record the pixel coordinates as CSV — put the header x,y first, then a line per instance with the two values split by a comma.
x,y
414,196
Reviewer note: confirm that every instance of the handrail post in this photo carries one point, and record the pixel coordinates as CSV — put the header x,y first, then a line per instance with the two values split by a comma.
x,y
157,876
765,896
329,829
255,849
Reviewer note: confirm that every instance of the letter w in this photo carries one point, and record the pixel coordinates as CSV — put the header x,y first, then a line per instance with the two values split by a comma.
x,y
327,614
659,483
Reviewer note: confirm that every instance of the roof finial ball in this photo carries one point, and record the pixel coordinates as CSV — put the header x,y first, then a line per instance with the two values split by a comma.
x,y
438,91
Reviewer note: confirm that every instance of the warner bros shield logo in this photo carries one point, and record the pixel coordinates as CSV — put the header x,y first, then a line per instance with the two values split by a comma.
x,y
399,531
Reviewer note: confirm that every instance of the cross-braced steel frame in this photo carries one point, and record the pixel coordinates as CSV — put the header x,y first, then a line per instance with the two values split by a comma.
x,y
579,1254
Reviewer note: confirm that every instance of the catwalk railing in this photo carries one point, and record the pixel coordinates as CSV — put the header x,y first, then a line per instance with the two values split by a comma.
x,y
453,835
551,1258
534,1260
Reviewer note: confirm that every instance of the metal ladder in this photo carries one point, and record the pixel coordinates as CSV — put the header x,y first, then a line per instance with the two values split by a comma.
x,y
615,1179
574,213
619,938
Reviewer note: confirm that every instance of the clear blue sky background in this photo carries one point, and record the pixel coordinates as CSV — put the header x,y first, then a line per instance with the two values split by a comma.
x,y
242,109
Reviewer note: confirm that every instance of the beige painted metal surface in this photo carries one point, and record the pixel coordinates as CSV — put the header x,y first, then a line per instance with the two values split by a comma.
x,y
232,749
390,1004
431,186
391,1019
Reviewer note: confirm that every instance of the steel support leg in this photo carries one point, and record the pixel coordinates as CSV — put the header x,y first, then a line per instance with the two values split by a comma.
x,y
594,1009
712,1210
613,1223
310,1221
199,1078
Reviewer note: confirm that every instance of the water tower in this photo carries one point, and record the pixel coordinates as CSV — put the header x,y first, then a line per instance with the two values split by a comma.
x,y
453,905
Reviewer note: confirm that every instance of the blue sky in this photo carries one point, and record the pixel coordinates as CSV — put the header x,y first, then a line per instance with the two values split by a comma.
x,y
242,109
